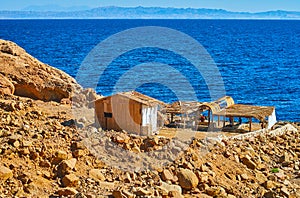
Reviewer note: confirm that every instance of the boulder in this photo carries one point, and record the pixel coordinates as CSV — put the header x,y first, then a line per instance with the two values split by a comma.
x,y
187,179
70,180
78,153
32,78
216,191
202,176
166,175
170,187
5,173
118,194
59,156
66,166
96,174
67,191
122,194
248,162
269,184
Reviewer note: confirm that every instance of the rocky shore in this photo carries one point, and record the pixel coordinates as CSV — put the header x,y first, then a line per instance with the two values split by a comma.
x,y
43,154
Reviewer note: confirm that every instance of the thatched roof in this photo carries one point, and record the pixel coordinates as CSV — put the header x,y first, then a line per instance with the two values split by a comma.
x,y
226,99
247,111
218,105
181,107
214,107
224,107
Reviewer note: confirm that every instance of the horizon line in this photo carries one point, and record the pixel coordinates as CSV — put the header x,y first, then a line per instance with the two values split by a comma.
x,y
163,7
99,18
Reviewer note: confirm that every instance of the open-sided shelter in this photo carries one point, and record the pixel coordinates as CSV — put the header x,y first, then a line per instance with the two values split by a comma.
x,y
225,108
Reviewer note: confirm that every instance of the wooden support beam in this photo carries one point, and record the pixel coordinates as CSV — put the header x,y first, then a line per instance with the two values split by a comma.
x,y
212,121
182,119
208,117
231,120
250,124
186,118
197,120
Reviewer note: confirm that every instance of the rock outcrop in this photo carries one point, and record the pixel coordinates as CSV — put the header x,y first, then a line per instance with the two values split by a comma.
x,y
6,87
30,77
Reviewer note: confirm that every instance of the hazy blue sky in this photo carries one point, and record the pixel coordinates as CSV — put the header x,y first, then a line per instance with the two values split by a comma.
x,y
233,5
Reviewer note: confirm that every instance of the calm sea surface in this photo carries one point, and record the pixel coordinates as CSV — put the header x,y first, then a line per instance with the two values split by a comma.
x,y
259,60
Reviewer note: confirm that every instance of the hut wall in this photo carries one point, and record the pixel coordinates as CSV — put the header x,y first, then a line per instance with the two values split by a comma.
x,y
105,115
149,120
272,120
124,114
99,112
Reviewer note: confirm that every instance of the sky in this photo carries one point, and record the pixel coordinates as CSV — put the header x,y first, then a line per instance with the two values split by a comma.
x,y
231,5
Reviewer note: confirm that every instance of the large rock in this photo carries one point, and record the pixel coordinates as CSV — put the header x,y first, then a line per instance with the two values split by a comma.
x,y
66,166
70,180
170,187
96,174
5,173
187,179
248,162
67,191
166,175
32,78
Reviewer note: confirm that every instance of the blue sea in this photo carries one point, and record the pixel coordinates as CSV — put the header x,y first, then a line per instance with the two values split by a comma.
x,y
259,60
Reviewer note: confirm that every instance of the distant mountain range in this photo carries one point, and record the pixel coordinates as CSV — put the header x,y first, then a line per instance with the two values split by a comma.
x,y
55,8
142,13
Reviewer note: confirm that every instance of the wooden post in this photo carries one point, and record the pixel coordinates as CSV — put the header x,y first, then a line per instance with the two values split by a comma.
x,y
198,119
218,120
231,120
172,117
250,123
208,117
182,119
224,121
212,120
187,118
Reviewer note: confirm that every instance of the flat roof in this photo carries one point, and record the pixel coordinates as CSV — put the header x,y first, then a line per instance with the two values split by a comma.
x,y
138,97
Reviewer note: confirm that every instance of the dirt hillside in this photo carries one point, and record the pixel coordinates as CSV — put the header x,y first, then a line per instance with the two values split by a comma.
x,y
43,153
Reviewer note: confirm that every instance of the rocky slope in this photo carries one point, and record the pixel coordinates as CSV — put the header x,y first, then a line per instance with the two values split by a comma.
x,y
31,78
42,154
